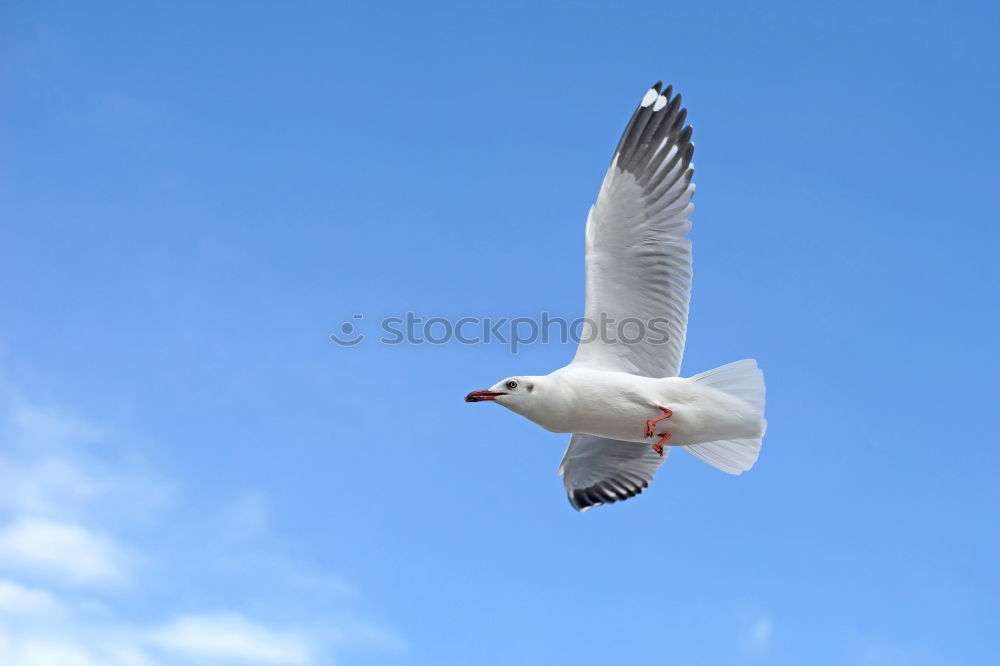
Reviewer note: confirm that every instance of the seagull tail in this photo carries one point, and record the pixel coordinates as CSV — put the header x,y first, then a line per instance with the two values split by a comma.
x,y
744,380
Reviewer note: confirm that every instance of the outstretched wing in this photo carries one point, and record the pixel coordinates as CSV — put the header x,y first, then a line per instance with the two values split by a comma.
x,y
597,470
638,259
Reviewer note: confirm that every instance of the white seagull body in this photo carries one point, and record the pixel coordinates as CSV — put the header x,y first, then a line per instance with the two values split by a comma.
x,y
622,390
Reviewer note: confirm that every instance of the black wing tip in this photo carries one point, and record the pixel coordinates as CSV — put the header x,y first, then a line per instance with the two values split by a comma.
x,y
655,119
583,499
671,109
667,92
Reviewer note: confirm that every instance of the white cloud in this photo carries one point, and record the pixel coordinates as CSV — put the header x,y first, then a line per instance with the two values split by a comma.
x,y
45,485
31,426
70,492
20,600
232,637
56,465
758,639
62,550
33,653
52,650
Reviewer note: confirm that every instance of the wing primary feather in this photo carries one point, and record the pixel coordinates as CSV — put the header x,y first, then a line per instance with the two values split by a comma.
x,y
649,133
680,192
685,136
668,174
672,137
634,134
679,122
616,483
653,171
660,126
610,496
686,176
651,139
628,130
656,147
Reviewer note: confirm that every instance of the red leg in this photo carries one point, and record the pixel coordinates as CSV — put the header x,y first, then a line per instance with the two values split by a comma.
x,y
658,446
651,423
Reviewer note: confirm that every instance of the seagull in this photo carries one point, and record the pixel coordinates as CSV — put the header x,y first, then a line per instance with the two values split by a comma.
x,y
621,396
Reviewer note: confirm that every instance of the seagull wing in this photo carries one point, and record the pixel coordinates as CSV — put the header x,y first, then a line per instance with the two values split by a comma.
x,y
597,470
638,259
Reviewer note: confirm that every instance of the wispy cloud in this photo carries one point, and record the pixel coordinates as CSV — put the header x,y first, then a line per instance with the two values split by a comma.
x,y
21,600
757,639
75,564
232,637
55,465
64,551
25,648
44,486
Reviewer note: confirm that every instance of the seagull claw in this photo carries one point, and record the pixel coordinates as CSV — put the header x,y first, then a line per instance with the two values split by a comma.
x,y
651,423
658,446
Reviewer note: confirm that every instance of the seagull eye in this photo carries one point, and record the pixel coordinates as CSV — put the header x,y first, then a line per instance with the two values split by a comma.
x,y
512,384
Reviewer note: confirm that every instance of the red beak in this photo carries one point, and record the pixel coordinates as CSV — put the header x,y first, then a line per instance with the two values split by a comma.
x,y
478,396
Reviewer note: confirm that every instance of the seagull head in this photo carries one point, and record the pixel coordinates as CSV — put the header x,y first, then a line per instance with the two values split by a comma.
x,y
510,392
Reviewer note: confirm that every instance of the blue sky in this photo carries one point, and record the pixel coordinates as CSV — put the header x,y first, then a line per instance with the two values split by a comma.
x,y
195,196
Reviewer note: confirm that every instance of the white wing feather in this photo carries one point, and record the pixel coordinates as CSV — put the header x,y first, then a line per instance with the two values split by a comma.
x,y
599,471
638,259
638,287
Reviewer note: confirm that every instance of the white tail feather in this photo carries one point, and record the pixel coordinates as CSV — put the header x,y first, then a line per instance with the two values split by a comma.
x,y
744,380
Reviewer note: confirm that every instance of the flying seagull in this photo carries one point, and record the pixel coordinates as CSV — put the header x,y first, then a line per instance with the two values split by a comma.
x,y
621,396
